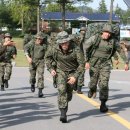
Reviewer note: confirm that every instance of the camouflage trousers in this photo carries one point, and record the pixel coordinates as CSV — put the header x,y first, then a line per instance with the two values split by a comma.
x,y
5,72
64,89
37,71
99,75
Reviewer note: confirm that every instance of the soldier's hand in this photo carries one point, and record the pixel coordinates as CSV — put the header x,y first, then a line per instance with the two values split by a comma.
x,y
8,43
116,62
71,80
53,72
87,66
126,67
29,60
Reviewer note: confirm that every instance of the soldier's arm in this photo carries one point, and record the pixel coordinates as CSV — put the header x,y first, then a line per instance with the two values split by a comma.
x,y
81,62
115,56
122,54
4,45
27,48
14,52
88,43
49,58
2,49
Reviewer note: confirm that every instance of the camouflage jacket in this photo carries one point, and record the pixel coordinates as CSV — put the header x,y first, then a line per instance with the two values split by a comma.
x,y
27,38
72,61
7,52
109,50
36,52
78,39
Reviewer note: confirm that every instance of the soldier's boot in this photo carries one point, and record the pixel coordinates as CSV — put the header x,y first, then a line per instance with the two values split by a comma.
x,y
40,94
33,88
91,94
103,107
63,117
79,90
6,83
2,88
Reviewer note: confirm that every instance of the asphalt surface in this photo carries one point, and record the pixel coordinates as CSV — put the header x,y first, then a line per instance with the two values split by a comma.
x,y
20,109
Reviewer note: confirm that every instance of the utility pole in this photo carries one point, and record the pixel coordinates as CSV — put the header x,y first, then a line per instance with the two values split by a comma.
x,y
38,17
111,11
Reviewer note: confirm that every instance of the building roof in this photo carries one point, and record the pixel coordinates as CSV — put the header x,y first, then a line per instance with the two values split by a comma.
x,y
79,16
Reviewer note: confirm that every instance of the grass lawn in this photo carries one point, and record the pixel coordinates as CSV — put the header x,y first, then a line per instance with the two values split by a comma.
x,y
20,60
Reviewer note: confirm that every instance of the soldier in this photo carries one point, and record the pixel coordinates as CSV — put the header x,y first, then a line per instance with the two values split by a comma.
x,y
78,39
35,52
99,50
7,52
69,65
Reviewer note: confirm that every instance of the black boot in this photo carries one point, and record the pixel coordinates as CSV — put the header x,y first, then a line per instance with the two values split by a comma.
x,y
40,94
91,94
2,88
63,117
33,88
79,90
6,83
103,107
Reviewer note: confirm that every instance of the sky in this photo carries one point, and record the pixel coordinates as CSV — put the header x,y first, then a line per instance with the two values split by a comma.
x,y
120,3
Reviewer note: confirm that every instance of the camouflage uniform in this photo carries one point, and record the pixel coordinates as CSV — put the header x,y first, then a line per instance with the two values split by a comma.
x,y
68,64
6,54
79,40
27,38
98,54
36,52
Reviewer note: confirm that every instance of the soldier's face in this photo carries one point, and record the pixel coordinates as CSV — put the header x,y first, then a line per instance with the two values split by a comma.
x,y
65,46
82,32
106,35
7,39
38,40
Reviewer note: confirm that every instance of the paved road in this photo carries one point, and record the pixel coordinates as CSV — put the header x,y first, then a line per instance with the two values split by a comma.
x,y
22,110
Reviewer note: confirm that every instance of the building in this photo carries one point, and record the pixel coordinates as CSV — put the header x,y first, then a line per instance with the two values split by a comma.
x,y
82,19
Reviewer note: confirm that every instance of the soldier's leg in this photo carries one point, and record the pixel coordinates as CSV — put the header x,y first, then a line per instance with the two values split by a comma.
x,y
32,70
103,88
2,68
94,75
80,83
8,72
62,96
40,78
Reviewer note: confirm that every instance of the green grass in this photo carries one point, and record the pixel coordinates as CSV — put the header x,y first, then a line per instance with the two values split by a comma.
x,y
19,43
21,60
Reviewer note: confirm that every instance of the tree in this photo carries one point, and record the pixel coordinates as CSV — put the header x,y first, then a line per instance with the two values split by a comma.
x,y
24,11
55,7
102,7
123,14
5,16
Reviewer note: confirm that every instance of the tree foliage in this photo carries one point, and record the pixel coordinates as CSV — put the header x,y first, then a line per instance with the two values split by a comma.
x,y
102,7
55,7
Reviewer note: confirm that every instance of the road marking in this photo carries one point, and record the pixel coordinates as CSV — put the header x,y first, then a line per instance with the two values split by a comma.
x,y
110,113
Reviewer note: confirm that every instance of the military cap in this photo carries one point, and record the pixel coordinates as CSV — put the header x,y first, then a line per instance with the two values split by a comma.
x,y
7,35
107,28
62,37
40,35
83,29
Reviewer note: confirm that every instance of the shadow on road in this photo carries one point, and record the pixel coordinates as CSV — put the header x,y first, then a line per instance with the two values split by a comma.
x,y
19,113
